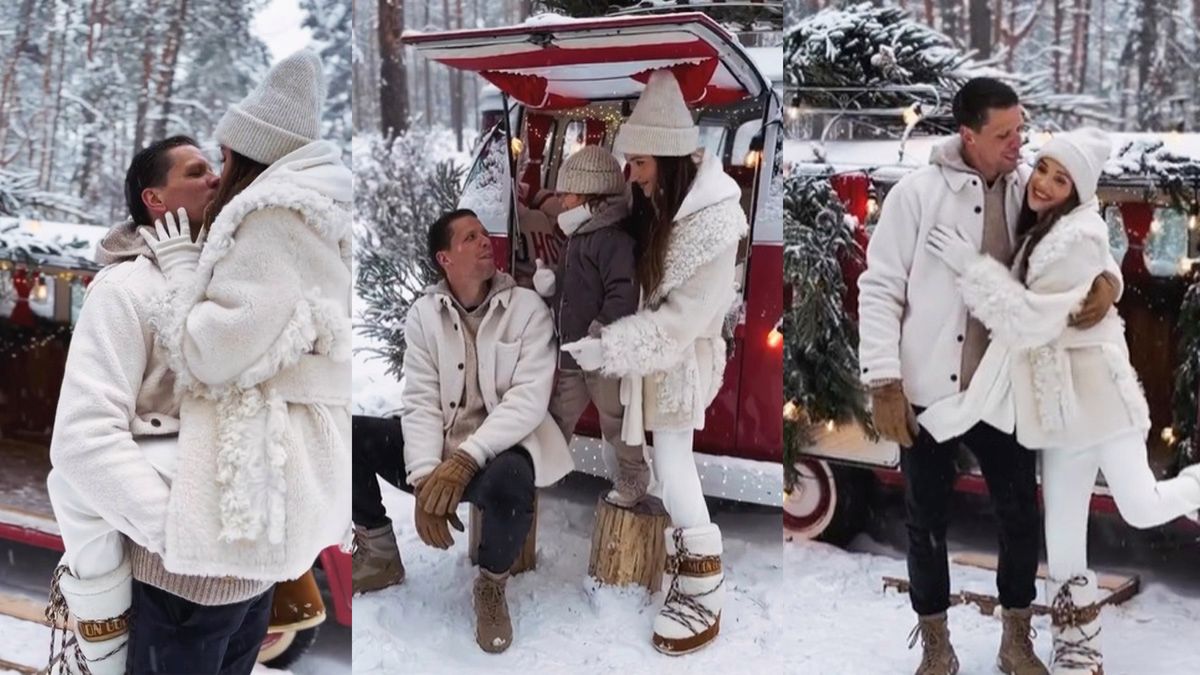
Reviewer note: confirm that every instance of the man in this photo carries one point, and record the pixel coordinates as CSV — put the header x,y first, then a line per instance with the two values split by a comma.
x,y
478,369
114,434
918,345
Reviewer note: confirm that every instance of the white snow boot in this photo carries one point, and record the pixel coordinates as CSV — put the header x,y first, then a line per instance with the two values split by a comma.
x,y
691,613
100,608
1192,471
1075,626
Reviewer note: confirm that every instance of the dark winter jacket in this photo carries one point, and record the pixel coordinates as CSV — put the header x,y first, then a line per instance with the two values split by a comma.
x,y
596,279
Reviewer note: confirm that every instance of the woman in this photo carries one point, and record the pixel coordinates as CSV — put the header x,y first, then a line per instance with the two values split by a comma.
x,y
671,354
1073,393
257,331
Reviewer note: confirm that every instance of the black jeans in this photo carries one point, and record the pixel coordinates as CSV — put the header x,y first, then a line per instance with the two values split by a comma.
x,y
1010,472
170,635
503,490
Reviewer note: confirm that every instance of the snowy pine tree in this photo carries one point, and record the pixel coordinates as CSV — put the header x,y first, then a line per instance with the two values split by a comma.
x,y
820,369
399,192
1187,379
330,22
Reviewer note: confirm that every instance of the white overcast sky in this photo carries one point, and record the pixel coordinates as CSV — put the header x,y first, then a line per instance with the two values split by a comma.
x,y
278,25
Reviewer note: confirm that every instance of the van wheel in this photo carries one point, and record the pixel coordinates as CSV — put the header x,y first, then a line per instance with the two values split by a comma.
x,y
828,503
281,650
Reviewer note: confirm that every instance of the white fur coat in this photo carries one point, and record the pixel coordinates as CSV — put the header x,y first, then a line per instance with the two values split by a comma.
x,y
673,344
1059,386
259,340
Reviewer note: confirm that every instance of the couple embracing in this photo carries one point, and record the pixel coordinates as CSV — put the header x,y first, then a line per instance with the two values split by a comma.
x,y
483,418
201,445
987,319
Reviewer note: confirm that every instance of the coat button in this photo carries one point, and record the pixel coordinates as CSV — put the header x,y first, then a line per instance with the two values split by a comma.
x,y
865,369
155,422
978,209
453,404
455,326
460,366
954,378
960,338
974,182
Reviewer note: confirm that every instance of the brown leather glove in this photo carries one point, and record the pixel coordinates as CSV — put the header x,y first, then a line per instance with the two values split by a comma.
x,y
1097,303
893,416
443,489
435,530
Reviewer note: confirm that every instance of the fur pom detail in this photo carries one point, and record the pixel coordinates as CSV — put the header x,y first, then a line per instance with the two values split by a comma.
x,y
1049,387
1128,385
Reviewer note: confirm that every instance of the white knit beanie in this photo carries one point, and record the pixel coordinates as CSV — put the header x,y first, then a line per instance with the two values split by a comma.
x,y
660,124
281,115
592,170
1082,153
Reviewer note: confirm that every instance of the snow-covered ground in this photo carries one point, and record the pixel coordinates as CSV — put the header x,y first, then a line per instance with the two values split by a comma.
x,y
25,573
563,622
841,620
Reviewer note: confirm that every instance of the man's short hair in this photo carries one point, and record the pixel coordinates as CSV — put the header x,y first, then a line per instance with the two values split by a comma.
x,y
149,169
977,96
440,234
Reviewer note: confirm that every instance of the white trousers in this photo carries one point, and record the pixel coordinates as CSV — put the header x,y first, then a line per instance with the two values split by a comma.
x,y
678,479
93,547
1143,501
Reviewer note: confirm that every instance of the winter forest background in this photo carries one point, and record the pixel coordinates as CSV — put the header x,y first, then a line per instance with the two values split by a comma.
x,y
1128,64
85,83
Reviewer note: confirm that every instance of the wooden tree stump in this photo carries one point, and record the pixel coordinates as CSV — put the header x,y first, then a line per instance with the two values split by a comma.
x,y
527,559
627,544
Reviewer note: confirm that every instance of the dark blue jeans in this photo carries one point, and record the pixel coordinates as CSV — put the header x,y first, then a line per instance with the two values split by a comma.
x,y
503,490
168,634
1010,471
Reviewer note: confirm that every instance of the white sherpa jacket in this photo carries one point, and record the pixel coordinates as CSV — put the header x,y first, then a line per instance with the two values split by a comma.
x,y
910,316
116,388
671,353
1061,387
259,339
516,357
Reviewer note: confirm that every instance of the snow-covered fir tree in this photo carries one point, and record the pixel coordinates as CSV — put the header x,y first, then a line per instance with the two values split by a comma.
x,y
330,23
820,369
399,192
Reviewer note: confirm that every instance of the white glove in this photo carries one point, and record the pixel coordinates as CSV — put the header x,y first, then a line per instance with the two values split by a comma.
x,y
543,279
173,248
952,247
587,353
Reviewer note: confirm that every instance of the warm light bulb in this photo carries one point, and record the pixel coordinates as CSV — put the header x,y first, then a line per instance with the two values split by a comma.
x,y
517,146
753,158
1168,434
774,338
791,411
41,291
830,426
912,114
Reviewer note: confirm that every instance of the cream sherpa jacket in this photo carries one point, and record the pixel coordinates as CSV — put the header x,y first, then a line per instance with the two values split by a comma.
x,y
259,339
516,357
117,387
1060,387
671,353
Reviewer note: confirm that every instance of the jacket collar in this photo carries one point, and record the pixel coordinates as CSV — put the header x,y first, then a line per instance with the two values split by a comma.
x,y
611,211
499,294
947,155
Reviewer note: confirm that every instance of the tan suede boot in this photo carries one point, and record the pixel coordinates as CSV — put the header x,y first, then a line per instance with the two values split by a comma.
x,y
1016,655
493,627
938,657
376,559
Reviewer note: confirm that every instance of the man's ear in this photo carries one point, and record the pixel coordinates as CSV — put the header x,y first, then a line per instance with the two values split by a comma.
x,y
153,201
443,258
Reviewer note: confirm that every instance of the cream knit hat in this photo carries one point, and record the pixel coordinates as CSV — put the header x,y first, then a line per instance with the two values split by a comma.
x,y
660,124
592,170
1082,153
281,115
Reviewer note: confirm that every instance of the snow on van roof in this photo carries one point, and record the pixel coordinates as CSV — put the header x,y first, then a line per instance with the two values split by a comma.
x,y
1134,154
769,61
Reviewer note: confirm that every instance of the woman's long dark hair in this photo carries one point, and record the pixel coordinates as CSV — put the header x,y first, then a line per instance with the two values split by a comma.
x,y
652,217
237,175
1032,228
